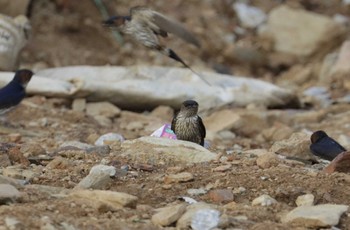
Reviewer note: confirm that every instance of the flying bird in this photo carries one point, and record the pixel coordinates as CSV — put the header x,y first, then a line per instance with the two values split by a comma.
x,y
145,25
324,146
14,92
187,125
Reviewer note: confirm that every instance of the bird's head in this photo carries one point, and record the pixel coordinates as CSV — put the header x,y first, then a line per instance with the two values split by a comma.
x,y
318,135
190,107
23,76
116,21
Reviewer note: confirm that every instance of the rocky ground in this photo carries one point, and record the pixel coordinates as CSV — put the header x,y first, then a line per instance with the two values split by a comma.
x,y
56,173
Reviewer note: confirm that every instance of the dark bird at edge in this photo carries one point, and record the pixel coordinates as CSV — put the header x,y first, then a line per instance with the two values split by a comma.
x,y
324,146
145,25
14,92
187,125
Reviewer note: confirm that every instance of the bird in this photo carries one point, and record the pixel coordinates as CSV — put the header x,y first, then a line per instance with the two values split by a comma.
x,y
324,146
14,92
187,125
145,25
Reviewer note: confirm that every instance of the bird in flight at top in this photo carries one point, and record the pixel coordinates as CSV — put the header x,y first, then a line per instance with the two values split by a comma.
x,y
145,25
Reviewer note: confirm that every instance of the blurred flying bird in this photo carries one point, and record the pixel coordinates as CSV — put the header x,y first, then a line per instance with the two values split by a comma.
x,y
145,25
187,125
14,92
324,146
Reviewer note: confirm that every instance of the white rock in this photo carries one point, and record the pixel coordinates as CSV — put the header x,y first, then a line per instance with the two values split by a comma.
x,y
168,215
109,137
145,87
305,200
152,149
186,219
324,215
249,16
98,177
12,39
264,200
76,144
8,193
196,192
205,219
312,30
12,223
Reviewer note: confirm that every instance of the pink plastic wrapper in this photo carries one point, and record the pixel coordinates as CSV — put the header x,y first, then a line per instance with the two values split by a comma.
x,y
164,131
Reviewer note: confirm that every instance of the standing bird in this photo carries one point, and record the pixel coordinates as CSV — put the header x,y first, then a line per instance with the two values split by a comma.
x,y
324,146
187,125
14,92
145,25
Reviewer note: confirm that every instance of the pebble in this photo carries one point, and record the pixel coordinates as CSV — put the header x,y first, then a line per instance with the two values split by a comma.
x,y
99,176
8,194
59,163
103,200
168,215
324,215
221,195
196,192
305,200
77,144
102,150
185,220
267,160
105,109
222,168
109,138
264,200
79,104
205,219
178,178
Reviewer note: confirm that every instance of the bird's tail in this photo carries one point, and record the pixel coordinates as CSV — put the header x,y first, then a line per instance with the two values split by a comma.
x,y
170,53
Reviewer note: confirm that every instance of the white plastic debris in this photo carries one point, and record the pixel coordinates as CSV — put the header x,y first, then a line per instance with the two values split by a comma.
x,y
109,137
249,16
205,219
164,131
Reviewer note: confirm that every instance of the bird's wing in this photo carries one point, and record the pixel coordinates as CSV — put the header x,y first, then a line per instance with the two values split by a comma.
x,y
201,127
327,148
162,24
173,123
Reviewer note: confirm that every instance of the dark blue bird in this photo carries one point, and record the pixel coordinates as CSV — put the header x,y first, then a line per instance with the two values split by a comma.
x,y
14,92
324,146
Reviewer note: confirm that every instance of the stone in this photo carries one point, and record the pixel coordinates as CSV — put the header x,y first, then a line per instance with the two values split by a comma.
x,y
145,87
267,160
151,150
59,163
249,16
109,138
168,215
8,193
221,120
296,146
319,216
18,173
99,176
103,200
341,67
264,200
105,109
222,168
184,222
102,150
11,181
76,144
277,132
339,164
305,200
221,195
196,192
30,150
285,22
16,156
14,137
14,8
13,223
205,219
163,112
178,178
13,39
79,104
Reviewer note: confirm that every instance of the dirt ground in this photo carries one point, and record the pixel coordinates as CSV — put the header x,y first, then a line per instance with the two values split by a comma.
x,y
72,34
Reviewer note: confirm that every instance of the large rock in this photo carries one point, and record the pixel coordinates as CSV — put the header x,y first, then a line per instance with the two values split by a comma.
x,y
168,215
324,215
311,31
13,38
296,146
153,150
98,177
142,87
8,193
